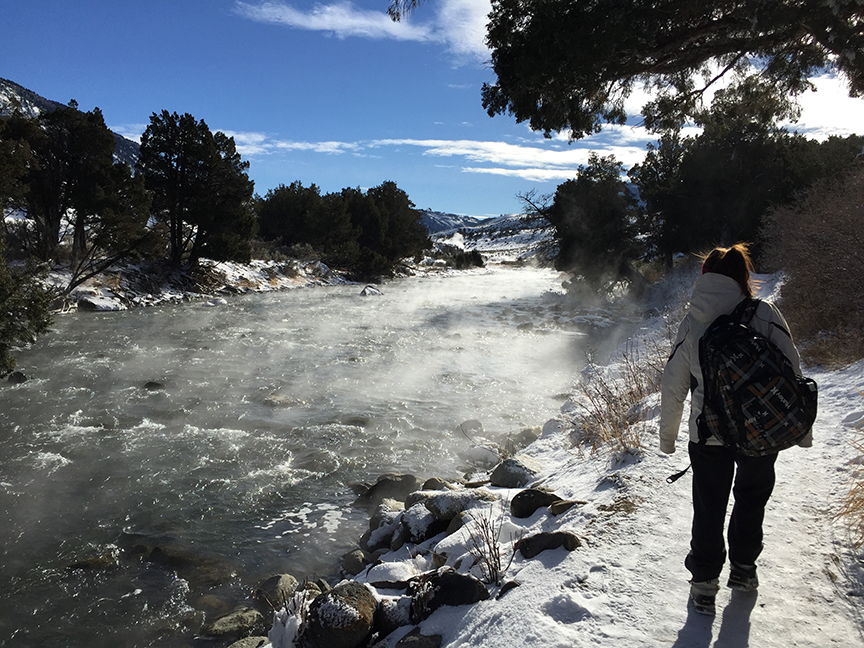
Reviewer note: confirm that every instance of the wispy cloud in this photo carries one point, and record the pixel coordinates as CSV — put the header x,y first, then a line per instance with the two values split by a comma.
x,y
543,162
342,19
463,23
499,153
531,158
458,24
258,144
535,159
320,147
129,131
532,175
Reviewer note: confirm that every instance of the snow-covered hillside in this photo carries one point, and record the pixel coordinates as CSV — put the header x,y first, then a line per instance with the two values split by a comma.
x,y
507,238
15,97
436,222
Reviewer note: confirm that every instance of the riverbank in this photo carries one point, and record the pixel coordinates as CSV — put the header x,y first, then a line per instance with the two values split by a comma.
x,y
149,284
268,408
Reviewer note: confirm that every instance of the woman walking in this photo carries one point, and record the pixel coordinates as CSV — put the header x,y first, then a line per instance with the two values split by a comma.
x,y
717,469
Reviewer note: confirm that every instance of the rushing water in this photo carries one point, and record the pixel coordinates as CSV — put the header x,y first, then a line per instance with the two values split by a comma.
x,y
270,408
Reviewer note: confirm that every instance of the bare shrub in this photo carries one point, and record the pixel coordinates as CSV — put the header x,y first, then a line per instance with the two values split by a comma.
x,y
283,269
603,418
485,533
817,241
267,250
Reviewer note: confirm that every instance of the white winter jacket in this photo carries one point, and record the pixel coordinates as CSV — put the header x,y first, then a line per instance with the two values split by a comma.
x,y
713,295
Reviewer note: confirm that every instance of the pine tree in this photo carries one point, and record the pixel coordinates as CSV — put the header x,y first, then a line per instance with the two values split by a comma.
x,y
571,64
200,187
594,217
24,309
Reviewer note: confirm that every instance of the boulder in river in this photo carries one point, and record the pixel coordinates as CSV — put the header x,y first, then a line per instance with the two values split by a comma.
x,y
393,612
242,622
420,524
448,504
353,562
250,642
389,485
275,592
370,291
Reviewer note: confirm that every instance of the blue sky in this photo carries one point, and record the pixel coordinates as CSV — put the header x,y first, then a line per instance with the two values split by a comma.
x,y
331,93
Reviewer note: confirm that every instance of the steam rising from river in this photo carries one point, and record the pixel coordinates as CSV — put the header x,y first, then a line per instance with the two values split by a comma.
x,y
271,407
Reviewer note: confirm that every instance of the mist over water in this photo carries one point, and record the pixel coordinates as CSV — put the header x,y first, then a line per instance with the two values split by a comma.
x,y
271,407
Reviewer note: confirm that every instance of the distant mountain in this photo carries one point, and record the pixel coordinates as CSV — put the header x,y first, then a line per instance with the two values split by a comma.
x,y
14,96
511,237
436,222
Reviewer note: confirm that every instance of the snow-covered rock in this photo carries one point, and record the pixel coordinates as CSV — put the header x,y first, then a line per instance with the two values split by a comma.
x,y
516,472
447,505
371,291
340,618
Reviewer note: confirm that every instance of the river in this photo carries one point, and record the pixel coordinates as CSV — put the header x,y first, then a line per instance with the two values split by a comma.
x,y
241,452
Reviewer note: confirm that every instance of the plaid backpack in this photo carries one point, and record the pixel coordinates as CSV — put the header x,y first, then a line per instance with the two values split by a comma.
x,y
753,400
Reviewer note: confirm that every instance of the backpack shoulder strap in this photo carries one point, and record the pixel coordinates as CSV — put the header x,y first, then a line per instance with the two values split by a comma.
x,y
745,310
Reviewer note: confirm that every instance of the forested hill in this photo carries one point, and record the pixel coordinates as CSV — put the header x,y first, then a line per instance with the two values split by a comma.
x,y
14,96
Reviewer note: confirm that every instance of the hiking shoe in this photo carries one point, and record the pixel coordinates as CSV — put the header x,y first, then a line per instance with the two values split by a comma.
x,y
703,594
742,577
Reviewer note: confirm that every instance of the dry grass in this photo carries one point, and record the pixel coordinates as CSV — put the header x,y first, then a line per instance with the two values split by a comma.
x,y
611,415
852,510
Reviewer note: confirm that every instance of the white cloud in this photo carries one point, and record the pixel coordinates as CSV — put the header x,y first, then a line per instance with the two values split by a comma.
x,y
320,147
511,155
544,162
341,19
130,131
250,143
460,24
532,175
463,23
829,110
535,163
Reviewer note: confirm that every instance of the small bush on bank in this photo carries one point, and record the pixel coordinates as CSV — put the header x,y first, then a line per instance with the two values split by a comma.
x,y
611,414
817,242
485,533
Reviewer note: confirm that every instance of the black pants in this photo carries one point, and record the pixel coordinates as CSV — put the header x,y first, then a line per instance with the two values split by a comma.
x,y
713,472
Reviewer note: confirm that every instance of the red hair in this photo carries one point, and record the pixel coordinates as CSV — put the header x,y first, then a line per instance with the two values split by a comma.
x,y
733,262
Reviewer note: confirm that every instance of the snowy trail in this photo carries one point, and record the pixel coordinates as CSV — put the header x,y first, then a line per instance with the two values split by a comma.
x,y
627,586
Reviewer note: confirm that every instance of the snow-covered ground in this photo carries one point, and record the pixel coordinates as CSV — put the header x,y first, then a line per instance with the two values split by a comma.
x,y
626,585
